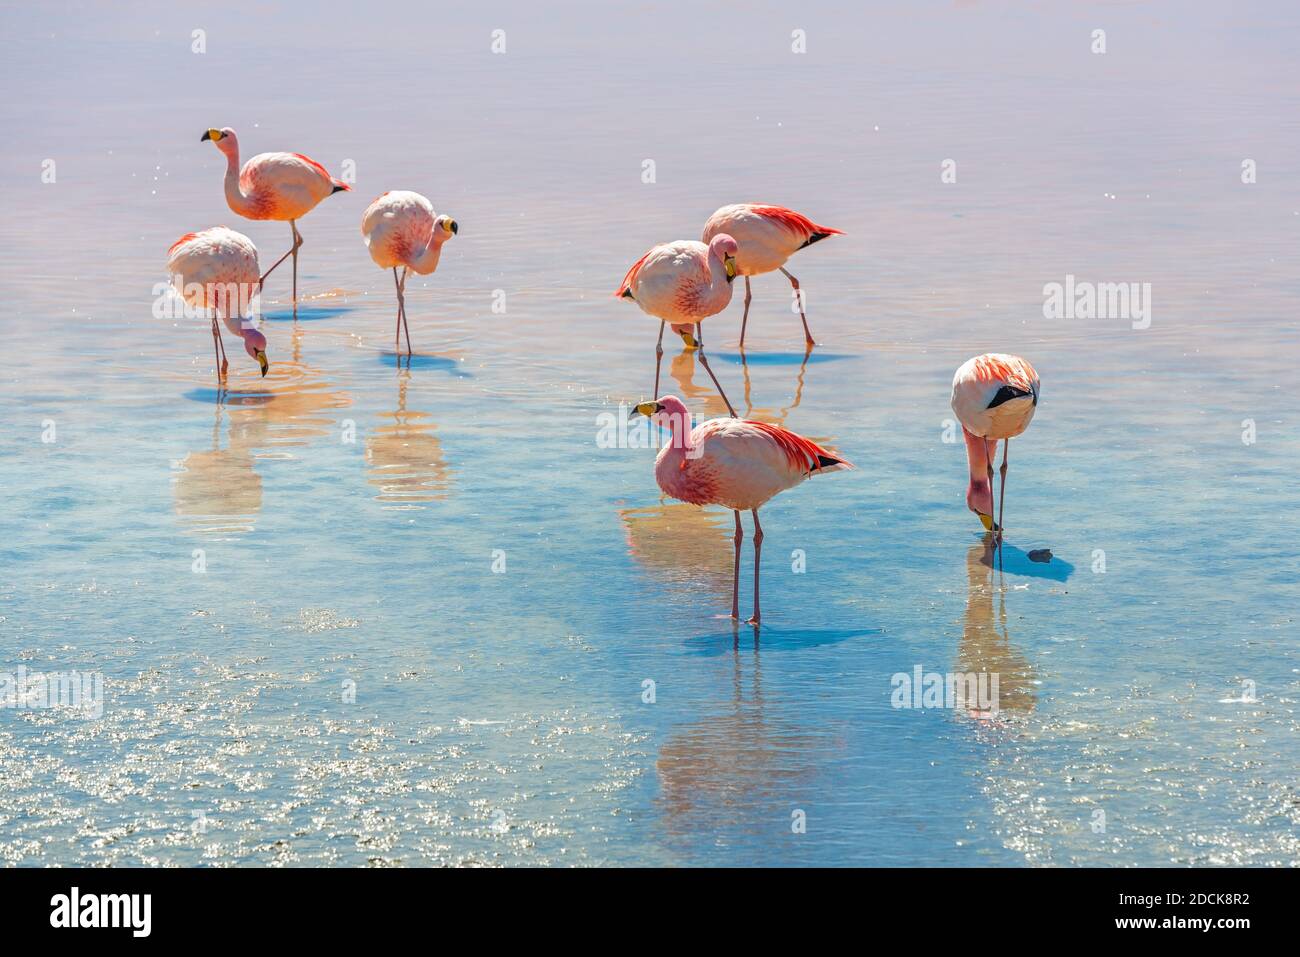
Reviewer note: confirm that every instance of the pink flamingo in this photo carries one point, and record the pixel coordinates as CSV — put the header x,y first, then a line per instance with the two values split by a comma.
x,y
994,396
217,269
274,186
736,463
401,229
768,236
683,283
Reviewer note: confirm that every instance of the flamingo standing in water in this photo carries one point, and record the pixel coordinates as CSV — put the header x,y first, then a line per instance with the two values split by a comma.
x,y
274,186
683,283
217,269
768,236
401,229
994,396
736,463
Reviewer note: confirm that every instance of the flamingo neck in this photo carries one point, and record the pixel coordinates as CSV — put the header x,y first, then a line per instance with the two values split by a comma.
x,y
680,427
978,458
427,261
235,197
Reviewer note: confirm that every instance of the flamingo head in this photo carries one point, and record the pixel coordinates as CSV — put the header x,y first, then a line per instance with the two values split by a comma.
x,y
979,499
444,228
723,248
668,412
224,139
255,346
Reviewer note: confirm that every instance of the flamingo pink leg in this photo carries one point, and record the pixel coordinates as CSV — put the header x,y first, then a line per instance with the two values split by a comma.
x,y
659,357
794,283
744,320
735,575
293,251
223,364
1002,493
401,302
758,557
699,340
297,241
216,349
397,332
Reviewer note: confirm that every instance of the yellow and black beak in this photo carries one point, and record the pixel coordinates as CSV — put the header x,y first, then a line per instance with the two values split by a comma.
x,y
262,361
649,408
987,522
730,265
689,340
453,227
213,135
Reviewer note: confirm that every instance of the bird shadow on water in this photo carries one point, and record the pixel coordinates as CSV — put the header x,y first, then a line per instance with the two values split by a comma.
x,y
306,313
1016,561
779,358
223,396
768,638
400,360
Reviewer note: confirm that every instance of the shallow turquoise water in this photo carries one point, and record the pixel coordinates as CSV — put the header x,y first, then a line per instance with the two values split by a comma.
x,y
499,716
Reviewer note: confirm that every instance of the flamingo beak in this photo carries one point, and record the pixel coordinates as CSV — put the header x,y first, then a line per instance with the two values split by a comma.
x,y
986,521
689,340
213,135
648,408
730,265
262,361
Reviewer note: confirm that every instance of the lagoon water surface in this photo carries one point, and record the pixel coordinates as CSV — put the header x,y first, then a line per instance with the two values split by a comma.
x,y
357,613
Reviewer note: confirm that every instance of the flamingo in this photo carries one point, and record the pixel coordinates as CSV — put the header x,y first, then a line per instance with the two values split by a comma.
x,y
735,463
683,283
994,396
274,186
401,229
768,236
217,269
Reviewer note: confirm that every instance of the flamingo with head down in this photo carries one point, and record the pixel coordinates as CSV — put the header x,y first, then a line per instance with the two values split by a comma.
x,y
274,186
735,463
683,283
217,269
994,397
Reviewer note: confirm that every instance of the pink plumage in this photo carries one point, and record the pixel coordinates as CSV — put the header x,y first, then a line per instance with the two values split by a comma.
x,y
766,236
994,396
735,463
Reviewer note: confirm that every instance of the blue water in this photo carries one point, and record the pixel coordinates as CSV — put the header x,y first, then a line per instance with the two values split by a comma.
x,y
430,604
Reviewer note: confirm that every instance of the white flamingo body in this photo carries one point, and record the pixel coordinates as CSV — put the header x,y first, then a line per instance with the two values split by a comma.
x,y
680,282
204,266
400,230
767,235
739,464
217,269
980,382
277,186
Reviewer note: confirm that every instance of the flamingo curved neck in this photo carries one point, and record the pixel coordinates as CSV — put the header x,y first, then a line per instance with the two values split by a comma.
x,y
680,427
427,261
235,197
